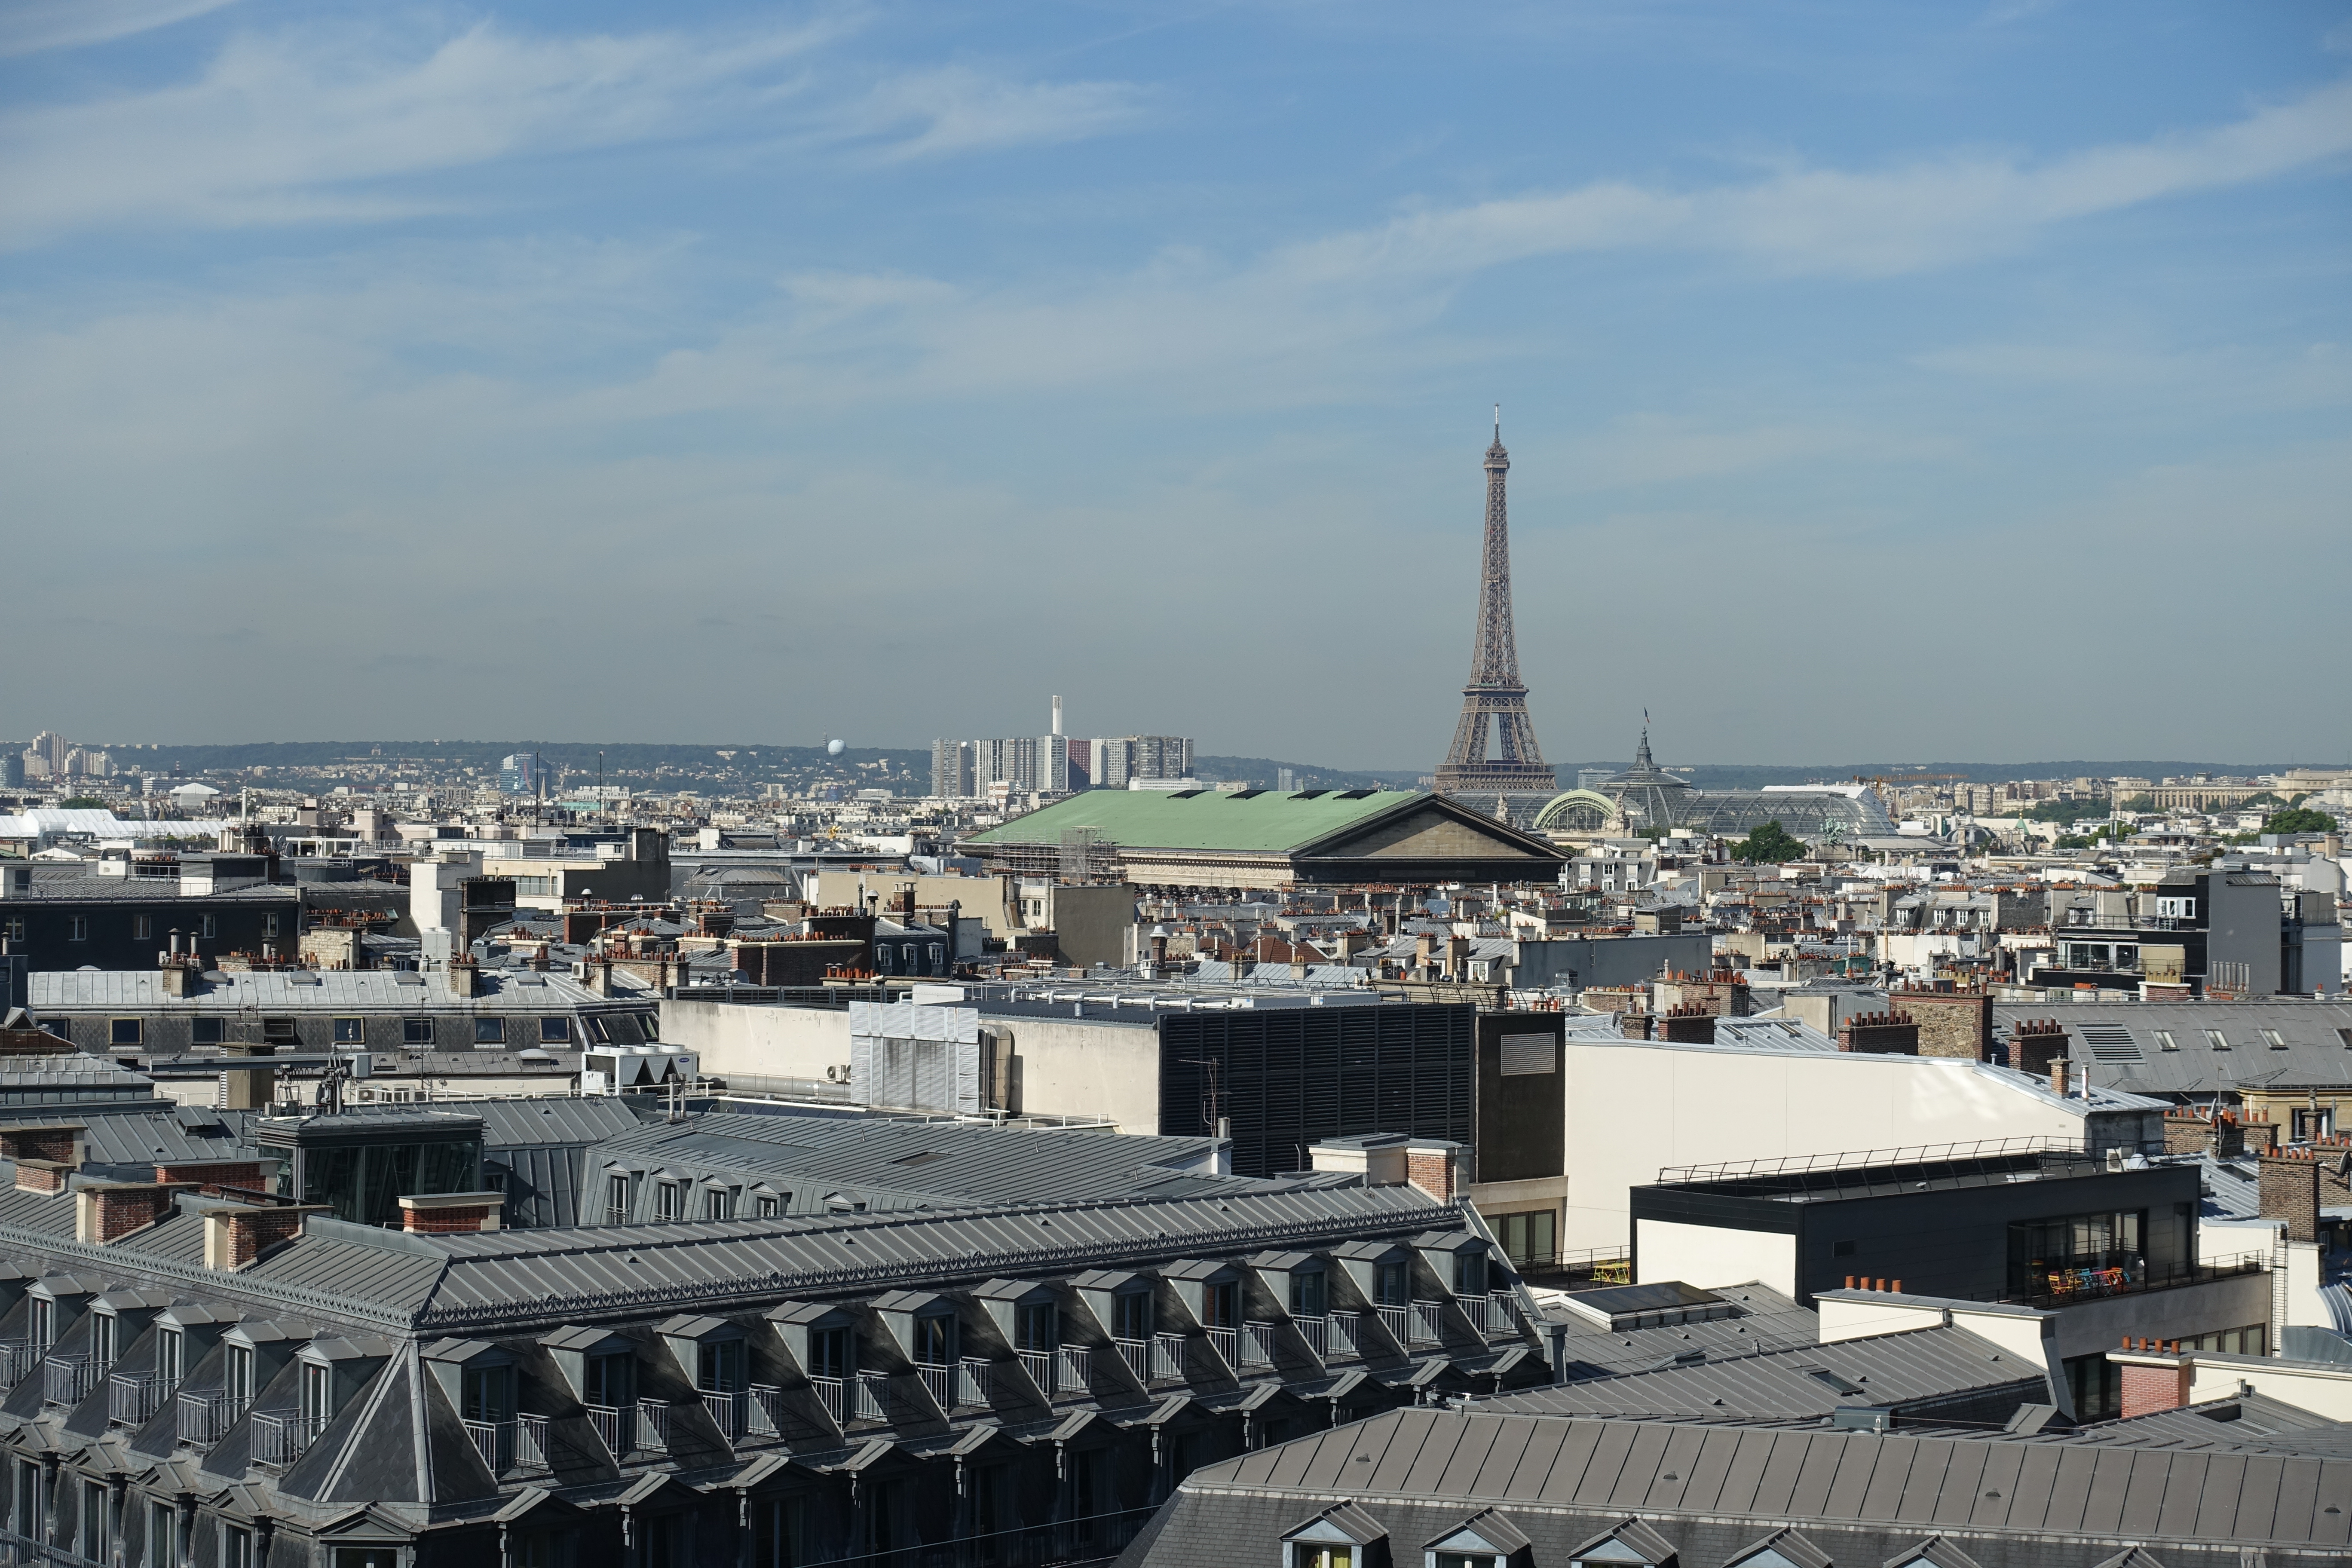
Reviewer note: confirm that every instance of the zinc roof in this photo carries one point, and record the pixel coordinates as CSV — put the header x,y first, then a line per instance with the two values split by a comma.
x,y
307,991
1267,822
2120,1042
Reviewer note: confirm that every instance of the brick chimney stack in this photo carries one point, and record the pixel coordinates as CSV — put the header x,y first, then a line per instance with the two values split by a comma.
x,y
2289,1191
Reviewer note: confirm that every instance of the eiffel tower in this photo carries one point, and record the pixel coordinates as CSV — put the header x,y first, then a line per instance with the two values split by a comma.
x,y
1496,699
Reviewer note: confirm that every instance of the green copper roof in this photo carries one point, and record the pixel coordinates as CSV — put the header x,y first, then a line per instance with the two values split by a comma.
x,y
1267,822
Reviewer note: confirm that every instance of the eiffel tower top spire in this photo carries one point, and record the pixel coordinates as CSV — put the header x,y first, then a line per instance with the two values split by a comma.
x,y
1495,700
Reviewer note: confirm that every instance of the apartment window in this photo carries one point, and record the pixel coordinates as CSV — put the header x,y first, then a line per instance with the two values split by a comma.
x,y
1392,1284
76,929
204,927
122,1032
171,1355
2215,1038
555,1031
764,1205
935,1339
1308,1295
237,1374
1131,1315
830,1353
2176,908
1530,1237
27,1512
938,956
366,1556
416,1031
44,1323
1221,1306
718,1203
2076,1256
489,1031
1316,1555
350,1031
488,1393
163,1535
1462,1560
2271,1038
269,925
778,1532
612,1381
1470,1273
236,1547
17,929
105,1338
142,928
616,1199
2164,1040
718,1366
669,1200
95,1532
315,1405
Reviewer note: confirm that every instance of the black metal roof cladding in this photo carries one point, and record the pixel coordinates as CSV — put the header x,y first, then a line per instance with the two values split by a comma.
x,y
1979,1488
519,1280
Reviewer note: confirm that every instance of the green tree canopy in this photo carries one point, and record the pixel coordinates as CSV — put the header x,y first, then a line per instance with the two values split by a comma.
x,y
2066,811
2299,819
1768,844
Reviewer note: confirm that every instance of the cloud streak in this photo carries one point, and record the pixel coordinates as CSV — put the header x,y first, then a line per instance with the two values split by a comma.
x,y
35,26
336,126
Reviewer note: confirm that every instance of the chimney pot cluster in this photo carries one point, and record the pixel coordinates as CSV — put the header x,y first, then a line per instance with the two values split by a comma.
x,y
1891,1287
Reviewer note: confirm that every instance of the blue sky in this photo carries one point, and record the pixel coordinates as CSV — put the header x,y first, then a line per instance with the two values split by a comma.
x,y
1881,381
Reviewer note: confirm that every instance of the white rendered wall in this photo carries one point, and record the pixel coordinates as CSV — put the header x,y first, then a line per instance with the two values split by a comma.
x,y
1707,1257
1635,1105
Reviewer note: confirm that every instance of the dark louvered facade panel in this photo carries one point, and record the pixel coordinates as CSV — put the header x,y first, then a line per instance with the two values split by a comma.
x,y
1289,1077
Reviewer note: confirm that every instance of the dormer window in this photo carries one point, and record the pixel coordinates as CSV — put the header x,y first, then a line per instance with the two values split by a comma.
x,y
1309,1294
1220,1305
610,1381
105,1338
171,1355
1341,1536
718,1366
831,1353
1392,1283
44,1324
935,1339
1130,1315
718,1203
669,1200
1470,1273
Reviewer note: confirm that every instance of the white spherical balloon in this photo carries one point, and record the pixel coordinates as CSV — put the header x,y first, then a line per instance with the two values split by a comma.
x,y
834,748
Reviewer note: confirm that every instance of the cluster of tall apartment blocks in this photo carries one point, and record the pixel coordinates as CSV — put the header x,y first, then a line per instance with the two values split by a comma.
x,y
1017,766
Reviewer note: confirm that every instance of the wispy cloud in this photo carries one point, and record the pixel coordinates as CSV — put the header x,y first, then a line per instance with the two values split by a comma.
x,y
337,125
31,26
1850,223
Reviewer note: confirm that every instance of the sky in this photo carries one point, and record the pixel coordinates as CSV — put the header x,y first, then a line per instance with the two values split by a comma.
x,y
1880,380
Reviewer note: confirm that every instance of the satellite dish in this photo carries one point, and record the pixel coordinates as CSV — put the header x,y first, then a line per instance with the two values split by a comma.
x,y
834,748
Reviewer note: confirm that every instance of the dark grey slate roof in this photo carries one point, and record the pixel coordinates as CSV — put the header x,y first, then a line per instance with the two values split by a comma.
x,y
897,1164
1767,1320
1801,1383
1866,1497
2120,1042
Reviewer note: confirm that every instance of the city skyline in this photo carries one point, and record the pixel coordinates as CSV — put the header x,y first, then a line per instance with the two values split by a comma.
x,y
1865,369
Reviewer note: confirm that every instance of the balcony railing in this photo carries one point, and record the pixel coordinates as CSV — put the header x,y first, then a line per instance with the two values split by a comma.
x,y
2063,1283
764,1416
1398,1321
1316,1330
865,1396
963,1386
1074,1367
17,1359
1428,1321
1159,1359
616,1214
616,1426
730,1411
1347,1334
1227,1344
68,1379
513,1442
280,1436
206,1415
1258,1344
133,1397
653,1426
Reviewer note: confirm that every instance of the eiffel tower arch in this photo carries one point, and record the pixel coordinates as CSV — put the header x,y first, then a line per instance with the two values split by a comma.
x,y
1495,751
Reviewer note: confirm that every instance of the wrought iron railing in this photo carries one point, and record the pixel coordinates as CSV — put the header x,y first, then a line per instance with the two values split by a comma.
x,y
1428,1322
653,1426
730,1411
133,1397
280,1436
616,1426
206,1415
68,1379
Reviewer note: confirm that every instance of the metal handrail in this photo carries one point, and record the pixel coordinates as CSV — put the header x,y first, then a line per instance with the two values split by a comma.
x,y
829,1393
68,1379
1428,1322
873,1396
494,1441
764,1416
1258,1343
653,1425
728,1410
280,1436
616,1426
1076,1368
17,1359
956,1385
1912,1155
1398,1321
1316,1330
1226,1344
1039,1365
133,1397
1348,1327
206,1415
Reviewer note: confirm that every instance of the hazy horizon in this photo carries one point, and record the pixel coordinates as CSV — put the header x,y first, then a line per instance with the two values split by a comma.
x,y
1917,381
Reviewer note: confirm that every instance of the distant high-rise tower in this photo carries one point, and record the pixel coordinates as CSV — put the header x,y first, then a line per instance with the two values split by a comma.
x,y
1496,699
